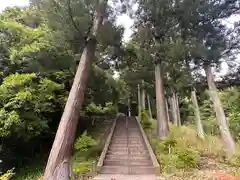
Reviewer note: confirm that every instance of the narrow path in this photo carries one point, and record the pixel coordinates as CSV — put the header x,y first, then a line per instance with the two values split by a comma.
x,y
127,156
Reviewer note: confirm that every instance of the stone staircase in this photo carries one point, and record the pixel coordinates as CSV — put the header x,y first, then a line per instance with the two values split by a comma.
x,y
127,152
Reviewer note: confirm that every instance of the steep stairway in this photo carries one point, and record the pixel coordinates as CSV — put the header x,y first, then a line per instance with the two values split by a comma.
x,y
127,153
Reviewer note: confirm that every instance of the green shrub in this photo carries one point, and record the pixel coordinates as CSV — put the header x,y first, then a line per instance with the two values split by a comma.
x,y
25,101
182,149
93,109
85,142
172,157
234,161
187,158
145,120
82,167
234,124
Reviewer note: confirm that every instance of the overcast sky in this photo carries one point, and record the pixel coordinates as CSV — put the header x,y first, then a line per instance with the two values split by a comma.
x,y
122,20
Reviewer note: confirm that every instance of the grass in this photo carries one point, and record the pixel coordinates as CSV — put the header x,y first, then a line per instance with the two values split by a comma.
x,y
31,173
90,148
184,156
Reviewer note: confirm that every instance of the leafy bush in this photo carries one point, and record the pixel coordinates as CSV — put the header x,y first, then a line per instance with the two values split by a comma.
x,y
24,102
87,151
93,109
183,149
235,160
171,156
145,120
82,167
27,107
85,142
187,158
30,173
7,175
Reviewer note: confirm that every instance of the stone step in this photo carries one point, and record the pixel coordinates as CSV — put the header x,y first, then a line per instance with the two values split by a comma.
x,y
110,162
126,153
130,145
128,141
126,158
132,150
126,177
127,170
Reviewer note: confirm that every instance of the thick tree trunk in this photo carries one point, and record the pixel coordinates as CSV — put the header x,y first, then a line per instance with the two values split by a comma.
x,y
220,115
167,109
162,123
170,110
199,125
129,107
143,97
139,102
173,105
58,165
178,110
149,107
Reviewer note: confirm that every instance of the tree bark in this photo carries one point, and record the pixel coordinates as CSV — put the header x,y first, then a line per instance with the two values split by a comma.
x,y
178,110
199,125
149,107
58,165
129,107
174,109
170,110
139,102
143,93
229,143
167,110
162,124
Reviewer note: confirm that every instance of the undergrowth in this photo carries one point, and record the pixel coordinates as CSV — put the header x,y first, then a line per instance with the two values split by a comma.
x,y
88,148
7,175
183,150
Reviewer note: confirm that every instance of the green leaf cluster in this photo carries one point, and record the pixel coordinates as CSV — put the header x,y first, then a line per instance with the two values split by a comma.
x,y
25,101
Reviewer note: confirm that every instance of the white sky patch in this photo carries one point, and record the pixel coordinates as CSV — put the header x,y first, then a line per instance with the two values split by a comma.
x,y
12,3
127,23
116,75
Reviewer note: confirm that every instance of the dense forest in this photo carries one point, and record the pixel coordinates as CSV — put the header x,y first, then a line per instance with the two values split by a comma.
x,y
58,60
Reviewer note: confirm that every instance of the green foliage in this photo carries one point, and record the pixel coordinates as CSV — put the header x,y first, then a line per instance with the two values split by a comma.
x,y
145,120
93,109
231,103
187,110
85,142
82,167
30,173
174,155
7,175
24,101
87,150
187,158
235,160
183,149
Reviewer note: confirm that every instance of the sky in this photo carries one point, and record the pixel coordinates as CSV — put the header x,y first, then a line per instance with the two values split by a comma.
x,y
123,20
11,3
